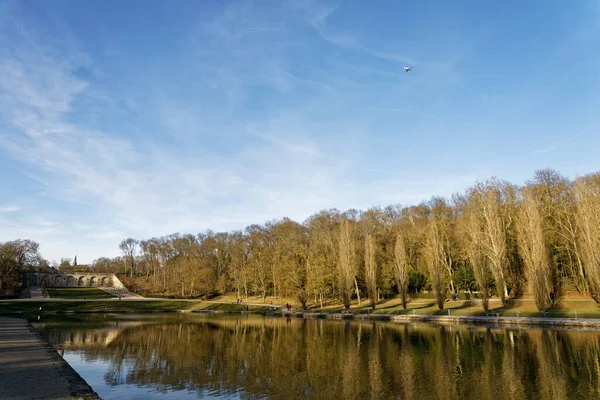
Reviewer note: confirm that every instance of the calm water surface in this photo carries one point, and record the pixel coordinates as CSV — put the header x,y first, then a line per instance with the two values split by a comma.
x,y
253,357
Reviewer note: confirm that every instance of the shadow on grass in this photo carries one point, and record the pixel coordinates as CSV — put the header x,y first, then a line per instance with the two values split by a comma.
x,y
465,304
235,307
503,310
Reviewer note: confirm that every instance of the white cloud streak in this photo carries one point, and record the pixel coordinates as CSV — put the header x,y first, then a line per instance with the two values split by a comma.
x,y
9,209
106,184
318,13
133,191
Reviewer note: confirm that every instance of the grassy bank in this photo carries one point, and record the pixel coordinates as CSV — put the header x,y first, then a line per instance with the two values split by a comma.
x,y
122,306
567,308
78,293
579,307
91,306
517,308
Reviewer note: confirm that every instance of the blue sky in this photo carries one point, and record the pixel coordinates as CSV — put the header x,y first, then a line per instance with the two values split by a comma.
x,y
143,118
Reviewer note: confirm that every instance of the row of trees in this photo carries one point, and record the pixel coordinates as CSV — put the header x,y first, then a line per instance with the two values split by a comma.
x,y
496,238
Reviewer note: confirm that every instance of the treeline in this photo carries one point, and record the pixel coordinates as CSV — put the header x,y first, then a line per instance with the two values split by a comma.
x,y
16,257
495,238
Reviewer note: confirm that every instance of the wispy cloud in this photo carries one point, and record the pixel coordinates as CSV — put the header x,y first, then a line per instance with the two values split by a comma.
x,y
117,235
258,113
558,145
295,147
547,149
146,190
317,14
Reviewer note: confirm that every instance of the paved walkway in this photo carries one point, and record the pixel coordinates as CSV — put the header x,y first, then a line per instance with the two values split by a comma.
x,y
31,369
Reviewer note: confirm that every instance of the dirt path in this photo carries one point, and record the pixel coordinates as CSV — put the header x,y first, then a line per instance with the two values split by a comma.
x,y
31,369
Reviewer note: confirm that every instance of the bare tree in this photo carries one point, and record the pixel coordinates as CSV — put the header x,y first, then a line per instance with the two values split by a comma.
x,y
371,269
532,248
260,259
442,213
440,248
346,265
401,267
473,229
495,221
240,258
322,255
556,202
129,249
434,256
587,194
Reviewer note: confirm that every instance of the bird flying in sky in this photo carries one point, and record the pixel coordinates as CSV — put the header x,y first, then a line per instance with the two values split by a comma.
x,y
406,69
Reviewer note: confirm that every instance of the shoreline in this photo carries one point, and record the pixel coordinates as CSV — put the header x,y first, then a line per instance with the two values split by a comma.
x,y
27,351
499,321
447,319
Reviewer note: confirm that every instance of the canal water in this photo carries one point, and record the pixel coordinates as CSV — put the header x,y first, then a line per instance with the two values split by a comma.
x,y
180,356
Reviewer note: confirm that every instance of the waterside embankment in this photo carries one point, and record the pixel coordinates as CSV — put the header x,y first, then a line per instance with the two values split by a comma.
x,y
30,368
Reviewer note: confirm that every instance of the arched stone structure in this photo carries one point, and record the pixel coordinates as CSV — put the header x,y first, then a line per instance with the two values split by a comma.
x,y
71,280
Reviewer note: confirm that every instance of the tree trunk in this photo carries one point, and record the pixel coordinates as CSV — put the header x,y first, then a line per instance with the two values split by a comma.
x,y
583,283
503,293
485,300
440,300
357,291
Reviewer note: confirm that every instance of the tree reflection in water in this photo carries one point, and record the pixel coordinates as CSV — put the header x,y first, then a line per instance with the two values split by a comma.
x,y
257,357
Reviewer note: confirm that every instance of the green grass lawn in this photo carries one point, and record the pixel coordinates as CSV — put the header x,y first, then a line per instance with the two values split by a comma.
x,y
126,306
522,308
78,293
101,306
205,305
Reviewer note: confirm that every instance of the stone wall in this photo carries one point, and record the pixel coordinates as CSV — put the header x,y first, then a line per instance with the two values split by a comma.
x,y
72,280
